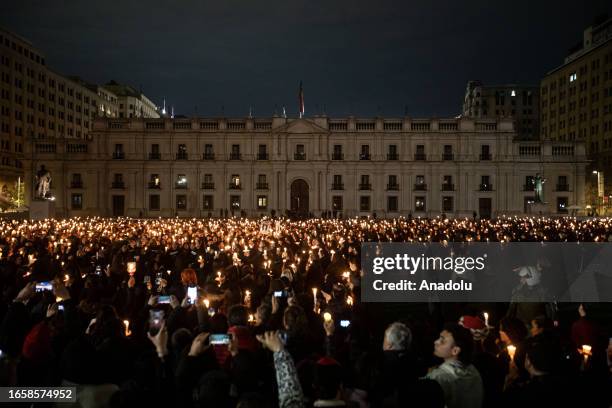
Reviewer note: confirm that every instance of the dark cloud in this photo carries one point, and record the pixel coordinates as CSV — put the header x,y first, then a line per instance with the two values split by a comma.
x,y
356,57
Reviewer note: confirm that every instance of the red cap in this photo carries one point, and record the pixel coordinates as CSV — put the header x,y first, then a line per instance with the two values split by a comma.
x,y
472,322
327,361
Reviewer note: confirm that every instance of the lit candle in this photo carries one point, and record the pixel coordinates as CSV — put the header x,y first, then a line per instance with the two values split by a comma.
x,y
251,318
586,352
486,316
127,328
511,351
349,300
314,297
327,316
206,303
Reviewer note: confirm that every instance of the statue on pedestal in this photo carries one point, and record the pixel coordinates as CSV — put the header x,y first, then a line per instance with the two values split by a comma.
x,y
43,183
539,188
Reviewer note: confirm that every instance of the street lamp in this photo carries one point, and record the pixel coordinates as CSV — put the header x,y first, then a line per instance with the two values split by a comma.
x,y
600,187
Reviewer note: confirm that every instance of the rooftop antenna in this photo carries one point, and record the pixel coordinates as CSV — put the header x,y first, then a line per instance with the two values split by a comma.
x,y
284,113
164,108
172,114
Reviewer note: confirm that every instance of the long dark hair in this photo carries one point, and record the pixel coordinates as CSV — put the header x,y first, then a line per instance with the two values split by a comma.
x,y
107,325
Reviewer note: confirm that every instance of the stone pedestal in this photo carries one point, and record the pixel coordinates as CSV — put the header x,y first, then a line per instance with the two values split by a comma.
x,y
41,209
539,208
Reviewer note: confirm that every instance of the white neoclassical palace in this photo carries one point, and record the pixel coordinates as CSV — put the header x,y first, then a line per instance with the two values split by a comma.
x,y
198,167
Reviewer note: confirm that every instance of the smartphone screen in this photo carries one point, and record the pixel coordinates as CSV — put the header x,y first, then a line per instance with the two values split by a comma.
x,y
280,293
44,286
60,308
345,323
98,270
164,300
219,338
192,294
155,320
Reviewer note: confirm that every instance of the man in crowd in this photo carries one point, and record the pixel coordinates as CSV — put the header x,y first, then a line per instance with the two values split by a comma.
x,y
458,378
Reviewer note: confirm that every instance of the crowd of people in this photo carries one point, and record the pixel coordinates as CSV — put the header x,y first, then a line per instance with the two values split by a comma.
x,y
238,312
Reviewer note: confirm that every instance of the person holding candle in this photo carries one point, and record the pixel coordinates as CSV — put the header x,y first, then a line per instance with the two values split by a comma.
x,y
546,386
512,332
490,369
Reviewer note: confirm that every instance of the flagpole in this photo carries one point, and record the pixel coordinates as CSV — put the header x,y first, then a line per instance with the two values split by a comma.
x,y
301,100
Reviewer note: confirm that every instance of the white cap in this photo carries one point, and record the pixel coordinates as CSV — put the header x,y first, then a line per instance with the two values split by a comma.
x,y
532,275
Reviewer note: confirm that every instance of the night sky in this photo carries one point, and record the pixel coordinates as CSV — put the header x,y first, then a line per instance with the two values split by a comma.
x,y
365,58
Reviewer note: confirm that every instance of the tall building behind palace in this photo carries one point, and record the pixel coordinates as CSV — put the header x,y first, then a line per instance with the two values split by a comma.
x,y
519,102
576,98
37,103
338,166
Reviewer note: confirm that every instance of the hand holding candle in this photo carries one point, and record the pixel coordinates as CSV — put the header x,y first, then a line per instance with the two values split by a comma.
x,y
511,351
586,351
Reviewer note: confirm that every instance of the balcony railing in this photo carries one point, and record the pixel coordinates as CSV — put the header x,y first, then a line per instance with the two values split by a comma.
x,y
365,186
118,184
76,184
299,156
154,156
392,187
234,186
235,156
337,156
392,156
485,156
338,186
448,156
154,185
181,156
420,186
261,186
208,186
562,187
208,156
448,187
364,156
263,156
118,155
420,156
485,187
